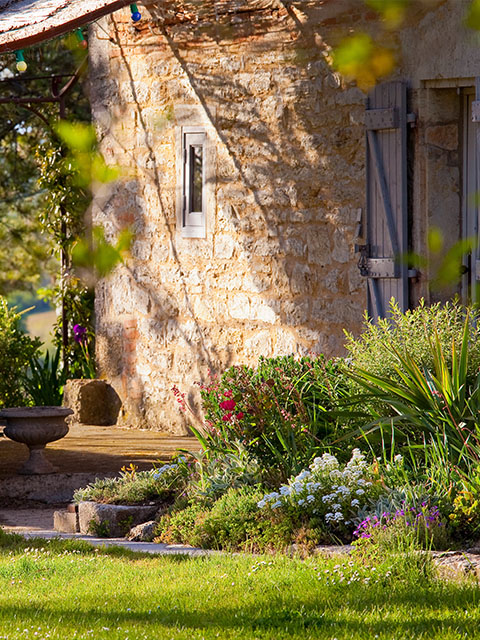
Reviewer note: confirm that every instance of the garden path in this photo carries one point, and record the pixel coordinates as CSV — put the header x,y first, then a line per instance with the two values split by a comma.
x,y
98,449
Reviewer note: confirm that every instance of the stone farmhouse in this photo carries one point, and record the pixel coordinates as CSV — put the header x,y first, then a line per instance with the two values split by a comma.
x,y
270,196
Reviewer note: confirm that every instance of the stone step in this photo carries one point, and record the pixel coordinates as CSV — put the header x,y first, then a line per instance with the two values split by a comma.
x,y
65,521
50,488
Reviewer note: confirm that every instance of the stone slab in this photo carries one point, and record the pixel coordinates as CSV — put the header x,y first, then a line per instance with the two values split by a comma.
x,y
93,402
112,520
49,488
65,522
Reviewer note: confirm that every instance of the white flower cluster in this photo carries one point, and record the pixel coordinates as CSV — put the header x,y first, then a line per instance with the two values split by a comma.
x,y
161,471
326,490
158,473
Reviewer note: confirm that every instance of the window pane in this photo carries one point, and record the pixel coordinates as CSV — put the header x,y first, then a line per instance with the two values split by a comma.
x,y
196,178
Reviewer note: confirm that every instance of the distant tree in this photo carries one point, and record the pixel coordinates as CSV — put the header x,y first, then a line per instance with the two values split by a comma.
x,y
28,249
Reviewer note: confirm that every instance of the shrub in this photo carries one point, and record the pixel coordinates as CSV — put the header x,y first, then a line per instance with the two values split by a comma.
x,y
330,495
135,487
410,333
211,475
439,404
465,516
233,523
45,380
280,411
176,526
406,529
16,350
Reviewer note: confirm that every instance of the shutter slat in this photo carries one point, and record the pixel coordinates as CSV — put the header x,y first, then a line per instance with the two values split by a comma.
x,y
386,212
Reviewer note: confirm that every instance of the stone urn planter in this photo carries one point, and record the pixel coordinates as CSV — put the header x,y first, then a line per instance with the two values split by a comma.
x,y
35,427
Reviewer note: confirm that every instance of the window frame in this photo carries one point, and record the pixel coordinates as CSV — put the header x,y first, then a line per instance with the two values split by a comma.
x,y
192,219
192,224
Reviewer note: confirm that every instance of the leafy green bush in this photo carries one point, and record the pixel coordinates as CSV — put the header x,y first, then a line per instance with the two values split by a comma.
x,y
280,411
233,522
176,526
136,487
45,380
211,475
465,516
410,333
16,351
438,405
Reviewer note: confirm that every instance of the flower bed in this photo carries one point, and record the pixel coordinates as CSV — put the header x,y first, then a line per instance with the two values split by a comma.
x,y
314,451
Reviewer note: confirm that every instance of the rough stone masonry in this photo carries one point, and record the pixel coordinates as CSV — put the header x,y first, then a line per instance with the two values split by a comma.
x,y
276,273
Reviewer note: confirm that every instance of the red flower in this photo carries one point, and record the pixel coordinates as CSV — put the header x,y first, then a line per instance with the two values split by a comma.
x,y
228,393
227,417
239,415
228,405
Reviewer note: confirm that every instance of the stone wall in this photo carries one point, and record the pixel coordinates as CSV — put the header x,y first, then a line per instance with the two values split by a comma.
x,y
277,273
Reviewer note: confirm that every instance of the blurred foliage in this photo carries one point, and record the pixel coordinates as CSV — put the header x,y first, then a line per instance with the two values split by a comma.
x,y
367,56
25,249
359,57
392,11
472,16
98,256
16,351
445,266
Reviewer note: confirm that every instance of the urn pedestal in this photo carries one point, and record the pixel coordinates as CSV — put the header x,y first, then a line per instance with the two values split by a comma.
x,y
35,427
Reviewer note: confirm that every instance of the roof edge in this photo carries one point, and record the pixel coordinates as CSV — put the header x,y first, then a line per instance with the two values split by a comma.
x,y
35,34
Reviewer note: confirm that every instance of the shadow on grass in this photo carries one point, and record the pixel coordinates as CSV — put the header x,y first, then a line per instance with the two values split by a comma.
x,y
321,615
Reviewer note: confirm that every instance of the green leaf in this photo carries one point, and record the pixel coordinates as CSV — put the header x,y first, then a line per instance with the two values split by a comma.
x,y
472,18
77,135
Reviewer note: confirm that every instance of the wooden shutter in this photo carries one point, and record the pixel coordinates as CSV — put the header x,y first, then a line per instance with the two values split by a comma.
x,y
472,179
383,257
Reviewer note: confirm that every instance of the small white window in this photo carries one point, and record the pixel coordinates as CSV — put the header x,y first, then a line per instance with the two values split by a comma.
x,y
194,164
194,198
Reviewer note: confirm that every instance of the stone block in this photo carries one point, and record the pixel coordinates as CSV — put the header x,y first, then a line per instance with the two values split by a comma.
x,y
142,532
111,520
443,136
65,522
93,402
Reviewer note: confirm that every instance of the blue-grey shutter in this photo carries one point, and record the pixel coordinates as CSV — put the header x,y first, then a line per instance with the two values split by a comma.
x,y
383,257
472,188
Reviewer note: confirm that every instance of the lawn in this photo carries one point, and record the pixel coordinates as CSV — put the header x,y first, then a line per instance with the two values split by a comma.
x,y
68,590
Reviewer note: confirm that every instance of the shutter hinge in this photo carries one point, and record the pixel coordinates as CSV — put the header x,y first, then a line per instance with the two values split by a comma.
x,y
412,119
363,249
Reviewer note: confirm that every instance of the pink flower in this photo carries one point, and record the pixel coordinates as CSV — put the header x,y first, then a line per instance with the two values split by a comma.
x,y
227,417
239,415
228,393
228,405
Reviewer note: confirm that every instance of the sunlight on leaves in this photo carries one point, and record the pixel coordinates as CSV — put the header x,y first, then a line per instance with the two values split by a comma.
x,y
392,11
100,256
360,58
83,159
446,266
435,240
472,18
77,135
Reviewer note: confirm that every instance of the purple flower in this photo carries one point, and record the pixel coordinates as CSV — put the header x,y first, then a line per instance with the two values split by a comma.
x,y
79,333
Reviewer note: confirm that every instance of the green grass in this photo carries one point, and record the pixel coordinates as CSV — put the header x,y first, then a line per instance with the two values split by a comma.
x,y
67,590
41,324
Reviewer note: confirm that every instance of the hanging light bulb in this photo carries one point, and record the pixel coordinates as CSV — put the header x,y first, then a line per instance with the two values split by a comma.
x,y
81,40
21,64
136,15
